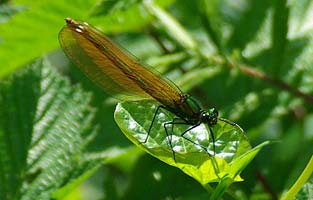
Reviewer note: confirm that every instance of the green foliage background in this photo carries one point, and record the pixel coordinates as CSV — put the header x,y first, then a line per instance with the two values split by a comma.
x,y
250,59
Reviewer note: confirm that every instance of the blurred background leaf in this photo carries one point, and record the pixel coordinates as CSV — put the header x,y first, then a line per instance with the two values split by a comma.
x,y
41,148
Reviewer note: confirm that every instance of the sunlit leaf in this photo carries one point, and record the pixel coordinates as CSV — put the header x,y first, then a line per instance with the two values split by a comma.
x,y
230,142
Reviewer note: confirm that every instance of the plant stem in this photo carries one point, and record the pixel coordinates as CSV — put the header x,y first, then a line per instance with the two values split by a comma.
x,y
306,174
265,185
250,71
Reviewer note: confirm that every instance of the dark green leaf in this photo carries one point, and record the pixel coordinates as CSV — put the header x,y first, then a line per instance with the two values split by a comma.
x,y
279,34
247,21
211,19
44,126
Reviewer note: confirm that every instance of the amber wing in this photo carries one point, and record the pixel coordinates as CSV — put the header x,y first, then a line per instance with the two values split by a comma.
x,y
113,68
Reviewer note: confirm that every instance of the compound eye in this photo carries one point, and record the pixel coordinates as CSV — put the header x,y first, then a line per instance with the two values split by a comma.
x,y
214,111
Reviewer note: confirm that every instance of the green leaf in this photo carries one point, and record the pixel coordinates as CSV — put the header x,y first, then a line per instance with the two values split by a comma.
x,y
104,7
124,15
279,35
77,176
306,191
171,25
7,11
36,25
247,20
33,31
211,19
303,183
44,127
134,119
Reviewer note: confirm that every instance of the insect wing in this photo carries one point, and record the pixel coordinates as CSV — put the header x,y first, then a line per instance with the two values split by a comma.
x,y
114,69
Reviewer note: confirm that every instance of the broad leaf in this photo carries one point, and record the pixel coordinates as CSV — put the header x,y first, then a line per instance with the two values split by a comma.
x,y
44,127
134,119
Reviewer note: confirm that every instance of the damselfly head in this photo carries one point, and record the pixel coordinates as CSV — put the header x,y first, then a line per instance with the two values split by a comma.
x,y
210,117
